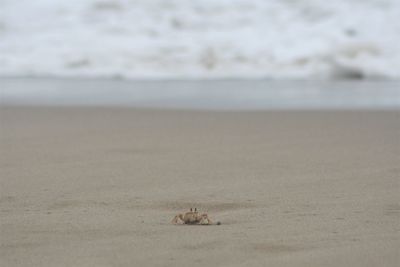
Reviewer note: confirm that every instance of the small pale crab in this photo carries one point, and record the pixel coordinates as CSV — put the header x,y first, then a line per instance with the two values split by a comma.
x,y
193,217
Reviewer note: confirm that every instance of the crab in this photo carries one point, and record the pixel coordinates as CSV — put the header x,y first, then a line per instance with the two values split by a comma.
x,y
193,217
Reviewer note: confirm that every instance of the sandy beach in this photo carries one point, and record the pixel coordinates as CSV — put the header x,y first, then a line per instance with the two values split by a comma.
x,y
99,187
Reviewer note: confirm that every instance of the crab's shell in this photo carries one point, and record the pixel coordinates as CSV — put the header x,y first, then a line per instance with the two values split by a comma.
x,y
190,218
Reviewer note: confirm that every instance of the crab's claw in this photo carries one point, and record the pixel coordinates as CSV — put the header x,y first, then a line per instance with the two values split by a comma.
x,y
178,219
205,220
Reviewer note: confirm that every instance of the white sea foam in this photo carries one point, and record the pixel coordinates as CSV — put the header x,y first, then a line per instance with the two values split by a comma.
x,y
201,38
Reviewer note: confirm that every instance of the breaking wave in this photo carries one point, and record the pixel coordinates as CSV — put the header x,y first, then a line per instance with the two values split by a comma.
x,y
277,39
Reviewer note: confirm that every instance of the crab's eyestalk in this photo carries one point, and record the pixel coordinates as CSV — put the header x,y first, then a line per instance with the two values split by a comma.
x,y
191,209
195,209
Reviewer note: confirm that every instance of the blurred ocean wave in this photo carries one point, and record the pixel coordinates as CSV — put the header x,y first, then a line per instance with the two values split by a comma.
x,y
275,39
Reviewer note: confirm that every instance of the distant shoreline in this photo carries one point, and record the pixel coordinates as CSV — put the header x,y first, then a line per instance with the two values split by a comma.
x,y
223,94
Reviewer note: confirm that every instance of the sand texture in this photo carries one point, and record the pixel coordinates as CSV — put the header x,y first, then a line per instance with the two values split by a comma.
x,y
99,187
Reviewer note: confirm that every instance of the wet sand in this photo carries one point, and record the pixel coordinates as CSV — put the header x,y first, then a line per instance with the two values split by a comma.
x,y
99,186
